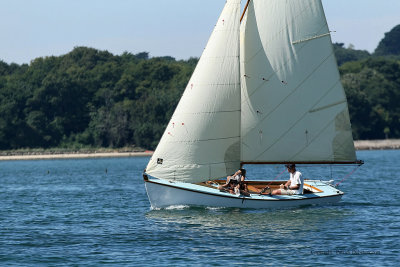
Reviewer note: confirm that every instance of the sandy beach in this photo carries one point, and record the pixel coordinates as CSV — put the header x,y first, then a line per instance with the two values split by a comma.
x,y
377,144
77,155
360,145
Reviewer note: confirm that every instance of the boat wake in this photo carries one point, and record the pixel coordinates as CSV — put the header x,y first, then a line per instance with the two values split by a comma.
x,y
173,207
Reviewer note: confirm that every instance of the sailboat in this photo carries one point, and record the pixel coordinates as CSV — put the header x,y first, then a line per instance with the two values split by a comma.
x,y
266,90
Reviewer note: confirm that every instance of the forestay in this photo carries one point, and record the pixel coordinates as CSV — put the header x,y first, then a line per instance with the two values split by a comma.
x,y
294,108
202,139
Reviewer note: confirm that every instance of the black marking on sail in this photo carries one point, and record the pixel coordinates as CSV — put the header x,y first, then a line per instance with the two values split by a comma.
x,y
306,132
160,161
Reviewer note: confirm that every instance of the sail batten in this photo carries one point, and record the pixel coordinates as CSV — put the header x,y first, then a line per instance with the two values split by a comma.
x,y
311,38
327,106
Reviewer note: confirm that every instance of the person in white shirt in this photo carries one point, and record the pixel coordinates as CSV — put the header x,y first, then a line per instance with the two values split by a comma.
x,y
294,186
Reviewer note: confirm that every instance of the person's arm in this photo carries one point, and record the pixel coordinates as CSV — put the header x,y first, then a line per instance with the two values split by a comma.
x,y
227,180
294,187
291,187
286,185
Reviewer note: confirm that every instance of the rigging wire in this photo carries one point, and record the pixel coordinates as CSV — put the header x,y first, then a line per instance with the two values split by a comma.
x,y
267,186
277,176
347,176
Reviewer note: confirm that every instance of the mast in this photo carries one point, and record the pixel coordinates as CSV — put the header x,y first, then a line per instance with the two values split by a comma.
x,y
245,9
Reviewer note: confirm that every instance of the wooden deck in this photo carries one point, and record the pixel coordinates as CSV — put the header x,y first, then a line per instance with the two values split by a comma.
x,y
256,187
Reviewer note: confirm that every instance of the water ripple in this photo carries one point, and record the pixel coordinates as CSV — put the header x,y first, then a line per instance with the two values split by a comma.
x,y
70,212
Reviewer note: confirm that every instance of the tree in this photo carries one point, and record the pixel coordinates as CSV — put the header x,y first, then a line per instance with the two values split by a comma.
x,y
373,91
389,45
344,55
93,98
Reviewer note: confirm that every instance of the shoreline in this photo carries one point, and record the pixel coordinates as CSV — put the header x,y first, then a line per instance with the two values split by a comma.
x,y
377,144
359,145
77,155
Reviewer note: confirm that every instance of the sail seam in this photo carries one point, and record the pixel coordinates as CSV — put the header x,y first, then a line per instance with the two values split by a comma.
x,y
295,89
207,112
215,163
205,84
287,25
205,140
300,85
313,139
318,134
324,128
228,57
274,72
325,24
333,86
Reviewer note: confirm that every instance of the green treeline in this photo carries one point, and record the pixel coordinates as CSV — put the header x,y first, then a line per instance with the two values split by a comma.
x,y
92,98
372,85
89,98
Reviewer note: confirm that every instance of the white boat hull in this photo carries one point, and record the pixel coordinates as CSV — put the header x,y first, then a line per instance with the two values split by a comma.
x,y
164,194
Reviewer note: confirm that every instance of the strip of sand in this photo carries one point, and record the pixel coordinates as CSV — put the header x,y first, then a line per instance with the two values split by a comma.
x,y
78,155
377,144
359,145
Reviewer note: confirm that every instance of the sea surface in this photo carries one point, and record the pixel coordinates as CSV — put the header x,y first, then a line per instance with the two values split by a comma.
x,y
91,212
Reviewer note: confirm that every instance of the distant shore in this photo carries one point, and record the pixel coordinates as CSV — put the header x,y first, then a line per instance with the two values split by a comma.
x,y
76,155
26,155
377,144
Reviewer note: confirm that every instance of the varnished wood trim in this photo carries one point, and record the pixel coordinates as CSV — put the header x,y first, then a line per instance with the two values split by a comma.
x,y
313,187
244,11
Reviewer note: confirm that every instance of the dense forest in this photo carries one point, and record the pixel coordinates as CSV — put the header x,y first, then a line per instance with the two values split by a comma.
x,y
92,98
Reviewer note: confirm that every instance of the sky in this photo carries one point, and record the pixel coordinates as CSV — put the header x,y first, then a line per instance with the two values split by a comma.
x,y
177,28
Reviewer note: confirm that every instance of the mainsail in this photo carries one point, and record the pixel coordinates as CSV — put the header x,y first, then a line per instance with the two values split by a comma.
x,y
281,102
202,139
293,106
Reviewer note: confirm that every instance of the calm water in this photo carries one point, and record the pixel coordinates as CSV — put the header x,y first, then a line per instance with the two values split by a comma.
x,y
95,211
